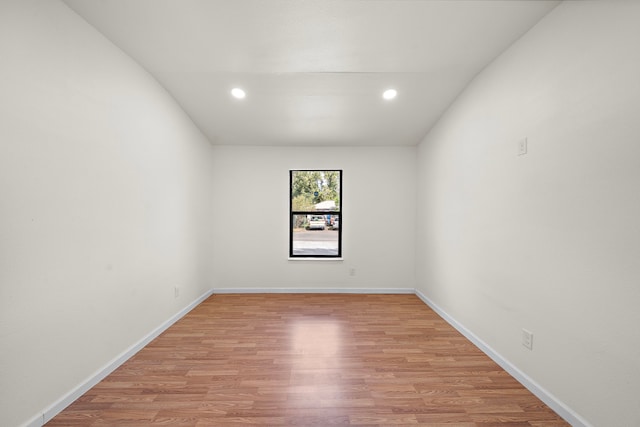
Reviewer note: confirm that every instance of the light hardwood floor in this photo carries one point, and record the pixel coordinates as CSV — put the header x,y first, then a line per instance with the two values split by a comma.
x,y
309,360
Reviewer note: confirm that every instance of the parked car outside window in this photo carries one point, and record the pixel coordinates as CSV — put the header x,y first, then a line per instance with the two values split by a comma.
x,y
316,222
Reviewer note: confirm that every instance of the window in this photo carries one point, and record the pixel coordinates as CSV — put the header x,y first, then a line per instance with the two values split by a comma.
x,y
315,228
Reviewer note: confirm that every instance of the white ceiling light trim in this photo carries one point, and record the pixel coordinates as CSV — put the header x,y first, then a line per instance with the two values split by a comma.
x,y
238,93
390,94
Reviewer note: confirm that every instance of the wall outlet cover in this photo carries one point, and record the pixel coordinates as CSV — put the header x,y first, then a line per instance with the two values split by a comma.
x,y
527,339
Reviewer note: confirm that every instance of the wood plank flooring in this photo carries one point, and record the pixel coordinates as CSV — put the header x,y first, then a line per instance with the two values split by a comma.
x,y
309,360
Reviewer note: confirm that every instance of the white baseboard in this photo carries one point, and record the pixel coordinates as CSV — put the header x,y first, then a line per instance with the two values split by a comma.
x,y
314,291
69,398
549,399
36,421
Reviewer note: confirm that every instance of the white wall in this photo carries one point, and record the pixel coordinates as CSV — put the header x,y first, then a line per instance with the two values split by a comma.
x,y
548,241
251,218
105,205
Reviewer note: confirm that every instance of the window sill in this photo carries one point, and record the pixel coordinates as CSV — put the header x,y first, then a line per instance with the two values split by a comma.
x,y
315,259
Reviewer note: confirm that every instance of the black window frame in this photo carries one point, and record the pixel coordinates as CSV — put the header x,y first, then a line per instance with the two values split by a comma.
x,y
293,213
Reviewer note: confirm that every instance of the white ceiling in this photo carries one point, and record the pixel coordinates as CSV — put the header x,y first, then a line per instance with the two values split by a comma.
x,y
314,70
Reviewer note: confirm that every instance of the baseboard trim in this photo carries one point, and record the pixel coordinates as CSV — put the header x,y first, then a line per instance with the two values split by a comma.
x,y
313,291
69,398
36,421
549,399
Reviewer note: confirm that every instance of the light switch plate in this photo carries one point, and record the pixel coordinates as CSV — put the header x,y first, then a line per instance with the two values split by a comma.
x,y
522,147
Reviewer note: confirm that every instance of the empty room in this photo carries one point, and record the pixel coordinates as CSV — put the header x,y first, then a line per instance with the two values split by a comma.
x,y
319,212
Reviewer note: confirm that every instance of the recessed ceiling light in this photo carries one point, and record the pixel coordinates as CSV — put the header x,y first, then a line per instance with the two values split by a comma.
x,y
389,94
238,93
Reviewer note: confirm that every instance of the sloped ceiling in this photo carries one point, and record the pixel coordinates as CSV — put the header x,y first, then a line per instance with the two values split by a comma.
x,y
313,70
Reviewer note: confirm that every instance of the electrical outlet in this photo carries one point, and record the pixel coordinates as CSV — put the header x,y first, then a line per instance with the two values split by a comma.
x,y
527,339
352,271
522,147
176,292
